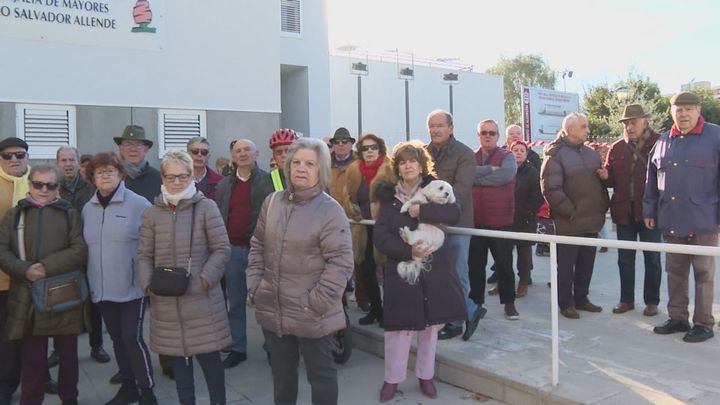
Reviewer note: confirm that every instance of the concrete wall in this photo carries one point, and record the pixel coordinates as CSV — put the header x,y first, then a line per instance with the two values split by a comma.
x,y
476,97
97,125
295,99
311,49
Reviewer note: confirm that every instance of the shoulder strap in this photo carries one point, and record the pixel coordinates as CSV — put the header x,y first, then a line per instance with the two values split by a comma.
x,y
21,235
192,232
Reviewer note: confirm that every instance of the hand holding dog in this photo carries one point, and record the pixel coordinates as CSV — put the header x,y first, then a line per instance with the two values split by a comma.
x,y
414,210
420,251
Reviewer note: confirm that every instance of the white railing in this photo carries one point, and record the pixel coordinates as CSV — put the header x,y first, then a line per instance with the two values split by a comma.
x,y
553,240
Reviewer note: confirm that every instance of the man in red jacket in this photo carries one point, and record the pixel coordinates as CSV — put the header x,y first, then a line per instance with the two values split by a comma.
x,y
625,171
493,208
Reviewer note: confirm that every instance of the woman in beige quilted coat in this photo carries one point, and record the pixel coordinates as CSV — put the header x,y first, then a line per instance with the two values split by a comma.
x,y
194,324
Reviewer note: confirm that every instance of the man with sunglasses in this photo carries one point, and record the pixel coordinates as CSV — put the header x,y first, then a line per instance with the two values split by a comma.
x,y
494,209
206,178
13,188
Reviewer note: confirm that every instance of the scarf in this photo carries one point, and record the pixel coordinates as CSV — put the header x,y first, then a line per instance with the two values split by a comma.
x,y
37,203
134,171
20,185
675,131
174,199
341,163
370,170
404,196
72,184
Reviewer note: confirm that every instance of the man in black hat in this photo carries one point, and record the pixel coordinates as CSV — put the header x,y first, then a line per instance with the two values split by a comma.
x,y
682,200
625,170
341,154
142,178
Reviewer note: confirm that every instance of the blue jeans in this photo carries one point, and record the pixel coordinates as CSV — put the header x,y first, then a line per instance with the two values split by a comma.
x,y
626,263
461,247
237,293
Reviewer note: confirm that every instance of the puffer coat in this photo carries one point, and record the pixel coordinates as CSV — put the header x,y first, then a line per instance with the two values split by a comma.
x,y
570,184
300,261
53,237
196,322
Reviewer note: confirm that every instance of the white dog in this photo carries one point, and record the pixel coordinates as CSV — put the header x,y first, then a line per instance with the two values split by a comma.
x,y
431,236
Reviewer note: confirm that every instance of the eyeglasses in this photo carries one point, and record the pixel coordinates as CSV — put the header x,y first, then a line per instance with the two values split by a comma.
x,y
488,133
132,145
203,152
106,172
172,177
9,155
38,185
341,141
366,148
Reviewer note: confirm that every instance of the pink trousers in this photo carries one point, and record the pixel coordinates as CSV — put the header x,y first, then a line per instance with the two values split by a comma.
x,y
397,351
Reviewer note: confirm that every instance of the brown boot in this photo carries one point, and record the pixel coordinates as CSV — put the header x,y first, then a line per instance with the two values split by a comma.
x,y
428,388
387,392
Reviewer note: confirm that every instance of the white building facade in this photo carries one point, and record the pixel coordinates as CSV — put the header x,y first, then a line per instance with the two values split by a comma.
x,y
78,72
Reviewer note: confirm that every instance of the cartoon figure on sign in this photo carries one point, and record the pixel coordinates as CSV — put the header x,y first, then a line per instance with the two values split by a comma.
x,y
143,16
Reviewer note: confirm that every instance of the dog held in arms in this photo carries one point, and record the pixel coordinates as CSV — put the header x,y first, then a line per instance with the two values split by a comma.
x,y
439,192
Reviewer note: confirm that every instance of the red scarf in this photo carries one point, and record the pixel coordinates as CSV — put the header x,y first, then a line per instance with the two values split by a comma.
x,y
369,171
675,131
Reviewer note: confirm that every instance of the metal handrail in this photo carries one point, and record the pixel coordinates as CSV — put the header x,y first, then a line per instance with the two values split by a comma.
x,y
553,240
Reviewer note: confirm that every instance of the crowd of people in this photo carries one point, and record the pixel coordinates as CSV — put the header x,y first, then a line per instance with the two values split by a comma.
x,y
198,246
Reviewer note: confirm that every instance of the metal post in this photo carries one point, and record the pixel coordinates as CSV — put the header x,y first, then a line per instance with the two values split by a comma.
x,y
407,110
554,315
451,98
359,105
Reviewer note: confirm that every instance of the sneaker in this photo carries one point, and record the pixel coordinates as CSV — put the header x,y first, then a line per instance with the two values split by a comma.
x,y
511,313
234,358
671,326
53,359
449,332
698,334
51,386
99,354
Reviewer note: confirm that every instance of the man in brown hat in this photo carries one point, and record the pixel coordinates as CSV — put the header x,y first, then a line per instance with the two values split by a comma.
x,y
682,198
142,178
625,170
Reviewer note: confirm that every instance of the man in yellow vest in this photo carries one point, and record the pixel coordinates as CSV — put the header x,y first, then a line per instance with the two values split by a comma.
x,y
280,141
13,187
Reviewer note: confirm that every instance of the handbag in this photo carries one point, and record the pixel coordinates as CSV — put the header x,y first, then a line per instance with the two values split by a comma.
x,y
167,281
57,293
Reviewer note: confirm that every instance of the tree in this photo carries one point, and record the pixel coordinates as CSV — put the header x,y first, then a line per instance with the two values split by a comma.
x,y
522,70
604,105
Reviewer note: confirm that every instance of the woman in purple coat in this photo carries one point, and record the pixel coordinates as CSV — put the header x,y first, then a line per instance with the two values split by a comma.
x,y
436,298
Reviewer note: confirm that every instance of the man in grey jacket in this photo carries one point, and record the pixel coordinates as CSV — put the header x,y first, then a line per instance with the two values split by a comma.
x,y
681,199
455,163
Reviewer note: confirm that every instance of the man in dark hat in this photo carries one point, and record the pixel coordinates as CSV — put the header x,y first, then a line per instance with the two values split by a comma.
x,y
13,187
682,198
625,170
142,178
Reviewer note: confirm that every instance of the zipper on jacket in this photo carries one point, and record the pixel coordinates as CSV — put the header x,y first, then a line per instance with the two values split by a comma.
x,y
177,299
102,271
277,280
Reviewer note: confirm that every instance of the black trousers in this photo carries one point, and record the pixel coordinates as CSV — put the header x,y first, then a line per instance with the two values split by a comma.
x,y
368,268
124,321
575,269
501,250
285,354
95,336
9,354
213,370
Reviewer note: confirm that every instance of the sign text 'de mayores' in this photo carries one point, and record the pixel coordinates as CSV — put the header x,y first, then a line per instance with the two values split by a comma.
x,y
59,12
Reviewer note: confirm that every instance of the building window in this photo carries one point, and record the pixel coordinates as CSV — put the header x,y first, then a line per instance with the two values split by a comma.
x,y
176,127
290,13
46,128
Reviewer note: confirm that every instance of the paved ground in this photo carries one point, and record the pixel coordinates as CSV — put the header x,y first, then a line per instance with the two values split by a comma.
x,y
251,383
604,358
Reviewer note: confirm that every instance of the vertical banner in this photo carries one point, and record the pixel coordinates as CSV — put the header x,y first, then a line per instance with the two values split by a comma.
x,y
133,24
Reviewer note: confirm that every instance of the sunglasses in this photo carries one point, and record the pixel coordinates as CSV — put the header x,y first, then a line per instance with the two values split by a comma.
x,y
172,177
203,152
366,148
341,142
38,185
488,133
9,155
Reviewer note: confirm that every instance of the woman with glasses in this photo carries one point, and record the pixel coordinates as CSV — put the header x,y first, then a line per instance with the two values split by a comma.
x,y
111,227
184,229
371,166
53,245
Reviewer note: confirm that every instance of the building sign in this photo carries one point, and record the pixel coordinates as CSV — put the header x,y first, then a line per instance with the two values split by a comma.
x,y
544,110
134,24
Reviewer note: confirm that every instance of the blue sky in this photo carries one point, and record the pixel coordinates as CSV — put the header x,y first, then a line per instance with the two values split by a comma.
x,y
672,42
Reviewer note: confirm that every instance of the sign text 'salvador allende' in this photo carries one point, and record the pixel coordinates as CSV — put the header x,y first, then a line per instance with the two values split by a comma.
x,y
70,12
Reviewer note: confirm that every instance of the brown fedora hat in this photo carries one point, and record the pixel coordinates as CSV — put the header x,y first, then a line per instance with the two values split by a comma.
x,y
633,111
135,133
